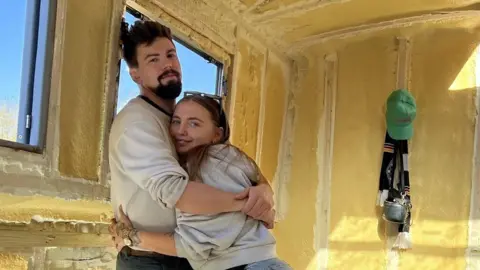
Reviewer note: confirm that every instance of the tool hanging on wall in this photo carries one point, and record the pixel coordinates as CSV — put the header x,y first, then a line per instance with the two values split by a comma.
x,y
394,196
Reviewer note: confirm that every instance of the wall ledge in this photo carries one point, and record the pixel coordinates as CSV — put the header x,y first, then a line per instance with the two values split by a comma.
x,y
54,233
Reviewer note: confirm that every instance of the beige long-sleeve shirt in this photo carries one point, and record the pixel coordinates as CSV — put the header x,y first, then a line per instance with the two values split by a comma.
x,y
147,179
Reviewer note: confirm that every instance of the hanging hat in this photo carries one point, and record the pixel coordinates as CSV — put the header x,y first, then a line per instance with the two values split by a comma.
x,y
401,111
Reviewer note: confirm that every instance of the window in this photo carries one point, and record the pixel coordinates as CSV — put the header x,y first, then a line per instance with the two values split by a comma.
x,y
200,72
25,71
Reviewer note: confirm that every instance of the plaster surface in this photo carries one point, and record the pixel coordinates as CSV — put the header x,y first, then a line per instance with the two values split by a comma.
x,y
23,208
82,84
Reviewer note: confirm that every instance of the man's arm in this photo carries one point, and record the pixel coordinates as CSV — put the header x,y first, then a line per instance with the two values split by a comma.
x,y
162,243
260,203
144,155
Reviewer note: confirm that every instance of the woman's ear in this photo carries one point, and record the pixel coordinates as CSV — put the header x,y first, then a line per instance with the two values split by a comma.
x,y
218,134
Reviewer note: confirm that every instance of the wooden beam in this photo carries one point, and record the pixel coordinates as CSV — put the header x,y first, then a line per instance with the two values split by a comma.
x,y
296,9
348,32
325,149
403,63
473,251
54,234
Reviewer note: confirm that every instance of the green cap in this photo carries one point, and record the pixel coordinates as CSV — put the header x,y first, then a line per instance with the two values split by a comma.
x,y
401,111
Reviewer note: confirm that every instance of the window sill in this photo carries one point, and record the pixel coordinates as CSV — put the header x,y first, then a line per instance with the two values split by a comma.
x,y
21,147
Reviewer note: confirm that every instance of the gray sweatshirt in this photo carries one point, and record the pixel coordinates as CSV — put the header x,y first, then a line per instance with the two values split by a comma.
x,y
230,239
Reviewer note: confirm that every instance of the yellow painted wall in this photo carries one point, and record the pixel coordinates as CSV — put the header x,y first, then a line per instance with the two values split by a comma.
x,y
260,84
295,235
441,154
365,78
22,208
275,88
9,261
82,72
82,84
442,148
247,80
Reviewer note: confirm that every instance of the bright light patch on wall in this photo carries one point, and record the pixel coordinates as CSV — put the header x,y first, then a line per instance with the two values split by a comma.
x,y
347,229
466,79
430,232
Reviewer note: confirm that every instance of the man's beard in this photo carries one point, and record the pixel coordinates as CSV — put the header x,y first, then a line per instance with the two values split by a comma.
x,y
171,90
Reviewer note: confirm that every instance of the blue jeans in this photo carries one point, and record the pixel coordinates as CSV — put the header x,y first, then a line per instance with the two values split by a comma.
x,y
271,264
154,261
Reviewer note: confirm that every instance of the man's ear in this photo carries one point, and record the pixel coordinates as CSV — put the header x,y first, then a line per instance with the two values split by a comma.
x,y
134,74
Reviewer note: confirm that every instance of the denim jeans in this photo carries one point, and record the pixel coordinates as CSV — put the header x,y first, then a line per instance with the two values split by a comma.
x,y
271,264
126,261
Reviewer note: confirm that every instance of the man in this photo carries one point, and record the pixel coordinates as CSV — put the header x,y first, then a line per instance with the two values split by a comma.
x,y
147,180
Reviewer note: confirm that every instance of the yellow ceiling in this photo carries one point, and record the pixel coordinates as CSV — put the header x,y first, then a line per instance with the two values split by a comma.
x,y
289,26
294,21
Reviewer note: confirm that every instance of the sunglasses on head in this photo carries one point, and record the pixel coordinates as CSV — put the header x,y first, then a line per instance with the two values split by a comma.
x,y
195,93
214,97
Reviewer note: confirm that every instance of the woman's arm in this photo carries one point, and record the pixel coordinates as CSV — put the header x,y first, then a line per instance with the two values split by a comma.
x,y
201,199
162,243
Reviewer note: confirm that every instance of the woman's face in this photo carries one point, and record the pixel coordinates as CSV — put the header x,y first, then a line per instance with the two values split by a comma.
x,y
192,126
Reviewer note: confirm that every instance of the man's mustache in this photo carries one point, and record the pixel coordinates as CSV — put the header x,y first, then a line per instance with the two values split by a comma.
x,y
169,73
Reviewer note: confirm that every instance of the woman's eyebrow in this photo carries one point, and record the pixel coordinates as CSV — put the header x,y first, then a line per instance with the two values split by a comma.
x,y
195,118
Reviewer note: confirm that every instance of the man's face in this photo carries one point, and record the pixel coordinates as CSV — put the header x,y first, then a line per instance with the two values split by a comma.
x,y
158,69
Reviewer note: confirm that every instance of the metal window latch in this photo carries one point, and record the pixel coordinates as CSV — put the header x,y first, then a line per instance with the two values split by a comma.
x,y
28,121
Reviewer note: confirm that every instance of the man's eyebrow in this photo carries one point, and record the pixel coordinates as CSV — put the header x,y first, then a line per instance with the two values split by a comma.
x,y
172,50
151,54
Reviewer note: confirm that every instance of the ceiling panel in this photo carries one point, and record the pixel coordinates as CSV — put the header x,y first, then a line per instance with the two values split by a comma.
x,y
295,27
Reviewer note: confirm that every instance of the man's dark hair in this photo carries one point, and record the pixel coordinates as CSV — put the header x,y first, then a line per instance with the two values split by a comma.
x,y
140,33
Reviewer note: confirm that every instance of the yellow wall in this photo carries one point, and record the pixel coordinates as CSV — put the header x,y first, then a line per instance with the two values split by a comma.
x,y
358,144
442,149
12,261
83,78
246,103
275,88
441,154
259,84
295,235
82,71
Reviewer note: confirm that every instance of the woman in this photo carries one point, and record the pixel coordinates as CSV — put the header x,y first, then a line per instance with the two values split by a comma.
x,y
225,241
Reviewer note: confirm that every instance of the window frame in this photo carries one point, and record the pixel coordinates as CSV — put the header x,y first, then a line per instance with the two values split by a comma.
x,y
37,64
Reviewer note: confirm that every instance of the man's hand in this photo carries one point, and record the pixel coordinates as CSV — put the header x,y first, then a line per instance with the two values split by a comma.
x,y
259,203
116,238
115,228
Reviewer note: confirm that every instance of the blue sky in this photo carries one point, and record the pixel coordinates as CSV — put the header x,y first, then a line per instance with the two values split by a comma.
x,y
12,18
198,74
